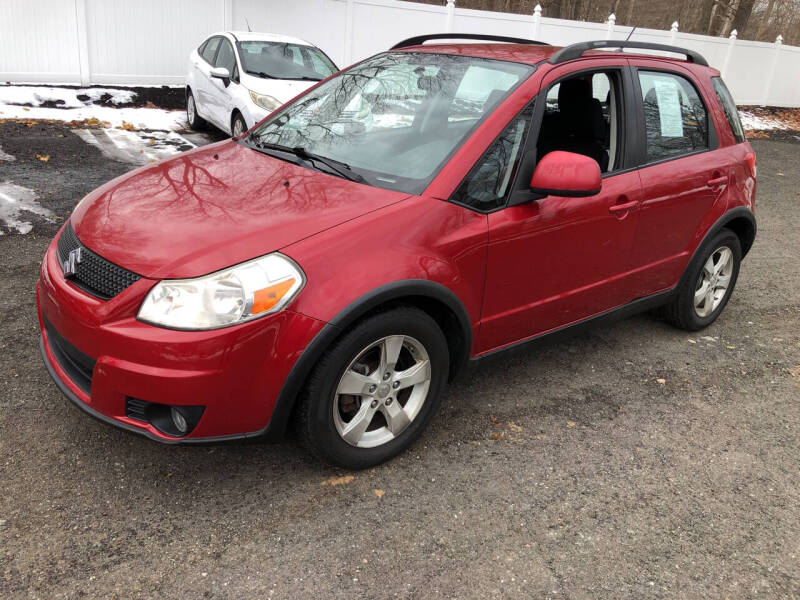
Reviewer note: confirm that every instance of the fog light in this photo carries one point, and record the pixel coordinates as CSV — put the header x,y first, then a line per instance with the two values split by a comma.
x,y
179,420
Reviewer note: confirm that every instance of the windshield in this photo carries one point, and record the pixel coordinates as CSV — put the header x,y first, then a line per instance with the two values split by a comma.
x,y
395,118
279,60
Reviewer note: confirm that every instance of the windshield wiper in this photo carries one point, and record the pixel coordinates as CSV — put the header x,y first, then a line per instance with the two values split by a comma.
x,y
261,74
338,167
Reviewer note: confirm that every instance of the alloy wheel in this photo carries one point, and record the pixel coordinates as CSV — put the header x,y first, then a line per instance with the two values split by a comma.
x,y
190,109
238,127
382,391
714,280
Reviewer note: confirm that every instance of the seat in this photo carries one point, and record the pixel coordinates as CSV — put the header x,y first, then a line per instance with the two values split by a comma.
x,y
578,126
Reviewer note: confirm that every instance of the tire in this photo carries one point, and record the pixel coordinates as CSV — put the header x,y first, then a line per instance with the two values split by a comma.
x,y
708,268
326,416
196,122
238,124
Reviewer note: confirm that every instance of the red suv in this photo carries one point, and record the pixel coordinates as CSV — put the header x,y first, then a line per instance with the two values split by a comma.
x,y
426,208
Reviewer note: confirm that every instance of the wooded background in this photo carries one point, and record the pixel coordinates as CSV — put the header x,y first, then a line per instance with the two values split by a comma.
x,y
760,20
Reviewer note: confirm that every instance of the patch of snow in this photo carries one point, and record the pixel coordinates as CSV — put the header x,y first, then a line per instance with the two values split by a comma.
x,y
64,97
752,121
5,157
135,147
15,200
141,118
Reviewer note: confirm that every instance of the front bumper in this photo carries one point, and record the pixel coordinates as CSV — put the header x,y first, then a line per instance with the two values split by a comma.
x,y
236,373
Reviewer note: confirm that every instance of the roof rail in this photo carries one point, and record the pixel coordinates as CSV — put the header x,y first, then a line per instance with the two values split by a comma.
x,y
574,51
420,39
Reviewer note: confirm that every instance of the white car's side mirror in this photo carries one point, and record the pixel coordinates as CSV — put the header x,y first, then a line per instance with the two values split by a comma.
x,y
220,73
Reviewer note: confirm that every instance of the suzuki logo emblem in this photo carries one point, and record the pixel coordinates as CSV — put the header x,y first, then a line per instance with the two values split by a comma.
x,y
73,260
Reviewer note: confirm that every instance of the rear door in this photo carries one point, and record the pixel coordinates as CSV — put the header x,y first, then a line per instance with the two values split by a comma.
x,y
558,260
684,172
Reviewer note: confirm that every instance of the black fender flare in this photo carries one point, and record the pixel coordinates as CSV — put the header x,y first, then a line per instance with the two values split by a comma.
x,y
385,294
727,217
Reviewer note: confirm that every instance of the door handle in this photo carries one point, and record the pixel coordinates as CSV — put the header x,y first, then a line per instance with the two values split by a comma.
x,y
616,209
717,182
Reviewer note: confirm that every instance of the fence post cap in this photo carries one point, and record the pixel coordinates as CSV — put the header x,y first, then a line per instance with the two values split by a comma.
x,y
779,39
733,34
612,18
537,9
674,26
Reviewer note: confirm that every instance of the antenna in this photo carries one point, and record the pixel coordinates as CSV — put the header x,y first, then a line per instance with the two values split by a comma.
x,y
631,33
250,30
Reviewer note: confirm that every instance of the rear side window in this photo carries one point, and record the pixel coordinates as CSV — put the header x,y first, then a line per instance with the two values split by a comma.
x,y
676,121
210,49
488,183
226,58
729,107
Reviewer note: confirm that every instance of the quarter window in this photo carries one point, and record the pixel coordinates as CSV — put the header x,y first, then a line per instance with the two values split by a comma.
x,y
210,50
676,121
488,183
729,107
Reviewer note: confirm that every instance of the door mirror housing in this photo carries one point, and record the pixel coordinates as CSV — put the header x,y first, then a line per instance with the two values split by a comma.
x,y
221,73
566,174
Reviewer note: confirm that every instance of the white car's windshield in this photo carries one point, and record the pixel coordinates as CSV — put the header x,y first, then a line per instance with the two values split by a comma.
x,y
396,118
279,60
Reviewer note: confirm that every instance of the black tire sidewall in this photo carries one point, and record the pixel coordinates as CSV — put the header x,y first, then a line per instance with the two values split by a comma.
x,y
724,237
197,122
321,427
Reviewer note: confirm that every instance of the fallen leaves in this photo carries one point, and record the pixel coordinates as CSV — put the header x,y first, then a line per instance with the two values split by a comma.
x,y
43,157
571,423
661,381
378,493
503,430
795,373
126,126
334,481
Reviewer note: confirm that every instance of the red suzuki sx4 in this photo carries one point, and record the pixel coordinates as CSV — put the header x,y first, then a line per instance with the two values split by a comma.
x,y
334,267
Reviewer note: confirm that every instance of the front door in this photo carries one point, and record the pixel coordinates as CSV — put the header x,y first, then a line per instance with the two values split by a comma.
x,y
558,260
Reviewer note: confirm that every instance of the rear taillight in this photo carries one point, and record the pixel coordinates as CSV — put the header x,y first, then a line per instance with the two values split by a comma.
x,y
751,163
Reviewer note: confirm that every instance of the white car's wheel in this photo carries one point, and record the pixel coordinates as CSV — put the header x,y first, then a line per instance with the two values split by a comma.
x,y
195,121
238,125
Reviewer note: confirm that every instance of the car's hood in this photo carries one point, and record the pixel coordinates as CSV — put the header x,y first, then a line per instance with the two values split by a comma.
x,y
282,90
213,207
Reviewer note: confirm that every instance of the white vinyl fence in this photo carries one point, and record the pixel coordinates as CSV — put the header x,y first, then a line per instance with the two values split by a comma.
x,y
148,41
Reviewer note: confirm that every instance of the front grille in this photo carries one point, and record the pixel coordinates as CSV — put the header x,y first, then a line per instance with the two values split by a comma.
x,y
93,274
77,365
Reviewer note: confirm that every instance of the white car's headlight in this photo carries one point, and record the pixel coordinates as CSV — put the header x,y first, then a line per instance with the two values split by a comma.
x,y
246,291
266,102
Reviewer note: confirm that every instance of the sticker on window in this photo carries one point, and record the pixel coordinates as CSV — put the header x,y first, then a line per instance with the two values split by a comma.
x,y
669,108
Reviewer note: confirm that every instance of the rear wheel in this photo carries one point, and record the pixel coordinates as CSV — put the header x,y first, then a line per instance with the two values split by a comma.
x,y
375,390
195,121
708,284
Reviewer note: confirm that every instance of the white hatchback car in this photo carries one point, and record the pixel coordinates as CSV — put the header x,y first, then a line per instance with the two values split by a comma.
x,y
237,78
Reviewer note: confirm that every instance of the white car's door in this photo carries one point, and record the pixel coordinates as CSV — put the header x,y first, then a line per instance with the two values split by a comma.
x,y
203,84
220,92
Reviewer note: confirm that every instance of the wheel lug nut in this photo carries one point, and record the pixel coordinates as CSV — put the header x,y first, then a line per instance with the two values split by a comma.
x,y
396,384
373,404
388,401
372,388
386,376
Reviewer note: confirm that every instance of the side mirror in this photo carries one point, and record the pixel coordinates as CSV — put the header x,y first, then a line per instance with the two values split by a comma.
x,y
566,174
221,73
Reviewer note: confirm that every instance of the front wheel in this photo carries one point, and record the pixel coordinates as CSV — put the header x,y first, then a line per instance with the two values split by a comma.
x,y
708,283
238,126
375,390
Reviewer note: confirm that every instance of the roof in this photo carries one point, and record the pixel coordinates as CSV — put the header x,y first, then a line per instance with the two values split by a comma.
x,y
258,36
523,53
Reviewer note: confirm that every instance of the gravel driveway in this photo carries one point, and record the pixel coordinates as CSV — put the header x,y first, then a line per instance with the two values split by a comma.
x,y
634,462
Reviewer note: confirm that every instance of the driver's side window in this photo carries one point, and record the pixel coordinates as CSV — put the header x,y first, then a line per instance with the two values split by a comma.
x,y
487,185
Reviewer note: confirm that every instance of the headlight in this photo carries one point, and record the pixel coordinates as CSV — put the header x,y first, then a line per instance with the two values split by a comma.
x,y
247,291
266,102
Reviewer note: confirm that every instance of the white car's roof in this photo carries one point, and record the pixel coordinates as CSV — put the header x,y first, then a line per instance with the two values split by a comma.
x,y
257,36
